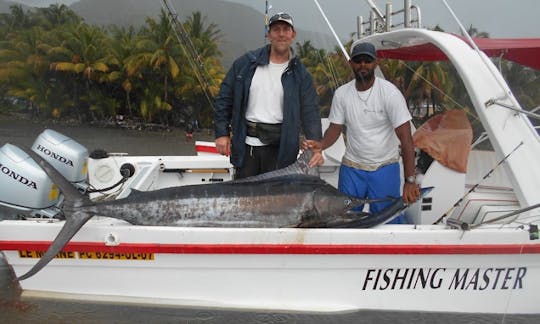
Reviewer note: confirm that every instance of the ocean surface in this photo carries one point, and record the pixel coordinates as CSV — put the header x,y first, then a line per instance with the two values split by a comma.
x,y
133,141
15,308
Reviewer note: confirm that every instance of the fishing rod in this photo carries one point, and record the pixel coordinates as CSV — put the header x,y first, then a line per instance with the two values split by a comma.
x,y
189,49
376,10
452,221
466,226
505,89
266,8
332,30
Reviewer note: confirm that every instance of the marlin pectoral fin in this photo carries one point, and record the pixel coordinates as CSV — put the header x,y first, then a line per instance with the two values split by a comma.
x,y
301,166
70,228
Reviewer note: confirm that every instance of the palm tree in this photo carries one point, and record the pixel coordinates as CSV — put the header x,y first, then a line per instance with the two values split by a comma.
x,y
396,72
205,37
156,55
426,90
200,80
83,57
474,32
123,46
62,64
328,69
524,82
24,68
328,75
57,15
17,19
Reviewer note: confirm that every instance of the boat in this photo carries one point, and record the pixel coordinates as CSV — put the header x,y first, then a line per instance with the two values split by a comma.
x,y
471,247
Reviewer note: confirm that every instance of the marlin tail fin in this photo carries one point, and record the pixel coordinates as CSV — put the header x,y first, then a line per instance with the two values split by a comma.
x,y
70,228
74,221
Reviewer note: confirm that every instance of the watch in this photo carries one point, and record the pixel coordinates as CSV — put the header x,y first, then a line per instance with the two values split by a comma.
x,y
410,179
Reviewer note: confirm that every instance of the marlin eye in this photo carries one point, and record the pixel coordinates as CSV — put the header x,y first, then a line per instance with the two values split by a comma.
x,y
348,202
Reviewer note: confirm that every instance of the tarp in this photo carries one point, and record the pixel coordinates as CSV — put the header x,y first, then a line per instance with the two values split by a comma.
x,y
525,51
447,138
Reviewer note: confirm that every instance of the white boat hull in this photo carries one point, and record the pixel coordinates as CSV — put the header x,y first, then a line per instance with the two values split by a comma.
x,y
400,267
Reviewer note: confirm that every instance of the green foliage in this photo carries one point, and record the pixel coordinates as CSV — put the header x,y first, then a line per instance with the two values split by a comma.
x,y
61,67
328,69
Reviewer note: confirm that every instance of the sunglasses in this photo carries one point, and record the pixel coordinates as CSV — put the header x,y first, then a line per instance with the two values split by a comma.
x,y
363,58
279,16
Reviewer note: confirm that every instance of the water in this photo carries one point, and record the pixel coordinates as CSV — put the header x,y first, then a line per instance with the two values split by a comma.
x,y
16,309
134,142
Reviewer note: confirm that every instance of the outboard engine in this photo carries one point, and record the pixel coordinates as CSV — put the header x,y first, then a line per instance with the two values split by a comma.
x,y
24,186
65,155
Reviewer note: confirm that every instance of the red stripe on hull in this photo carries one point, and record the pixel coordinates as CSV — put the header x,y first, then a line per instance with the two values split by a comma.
x,y
278,248
206,149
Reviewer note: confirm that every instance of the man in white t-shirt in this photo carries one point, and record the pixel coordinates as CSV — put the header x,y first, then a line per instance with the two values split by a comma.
x,y
377,123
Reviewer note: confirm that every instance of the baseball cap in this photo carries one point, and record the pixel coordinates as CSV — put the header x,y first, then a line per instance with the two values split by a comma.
x,y
281,16
364,49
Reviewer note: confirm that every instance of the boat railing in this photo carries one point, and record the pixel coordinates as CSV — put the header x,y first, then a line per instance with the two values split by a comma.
x,y
383,23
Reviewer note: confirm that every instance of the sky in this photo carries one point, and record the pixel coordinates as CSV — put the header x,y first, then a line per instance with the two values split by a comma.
x,y
500,18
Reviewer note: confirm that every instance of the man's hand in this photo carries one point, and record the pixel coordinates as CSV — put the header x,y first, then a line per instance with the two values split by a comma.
x,y
223,145
316,148
411,192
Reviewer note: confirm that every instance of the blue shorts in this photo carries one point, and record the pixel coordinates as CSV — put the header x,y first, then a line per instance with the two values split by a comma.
x,y
382,183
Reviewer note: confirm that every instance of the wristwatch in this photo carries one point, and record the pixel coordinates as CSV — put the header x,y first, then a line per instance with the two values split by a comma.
x,y
410,179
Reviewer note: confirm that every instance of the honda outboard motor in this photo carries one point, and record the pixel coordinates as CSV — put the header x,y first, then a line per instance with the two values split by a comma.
x,y
65,155
25,186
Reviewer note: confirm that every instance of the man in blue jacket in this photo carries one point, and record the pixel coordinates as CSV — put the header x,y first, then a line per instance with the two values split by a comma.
x,y
265,100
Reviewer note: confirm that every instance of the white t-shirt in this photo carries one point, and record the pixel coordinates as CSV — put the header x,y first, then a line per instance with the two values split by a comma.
x,y
371,118
265,102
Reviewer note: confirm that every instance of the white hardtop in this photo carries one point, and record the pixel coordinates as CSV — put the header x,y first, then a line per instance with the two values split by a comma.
x,y
488,91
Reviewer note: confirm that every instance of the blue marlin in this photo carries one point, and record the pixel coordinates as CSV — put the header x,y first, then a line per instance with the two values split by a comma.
x,y
291,197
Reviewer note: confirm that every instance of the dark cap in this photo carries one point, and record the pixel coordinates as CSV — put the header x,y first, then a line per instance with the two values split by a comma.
x,y
363,49
281,16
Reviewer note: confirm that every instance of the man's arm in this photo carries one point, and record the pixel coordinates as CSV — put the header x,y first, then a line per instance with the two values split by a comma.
x,y
309,109
411,192
223,114
223,105
330,137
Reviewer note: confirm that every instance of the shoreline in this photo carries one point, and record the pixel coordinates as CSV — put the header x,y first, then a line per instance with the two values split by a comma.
x,y
20,131
124,124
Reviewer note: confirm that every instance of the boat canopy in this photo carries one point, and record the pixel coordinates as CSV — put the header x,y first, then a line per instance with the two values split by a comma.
x,y
524,51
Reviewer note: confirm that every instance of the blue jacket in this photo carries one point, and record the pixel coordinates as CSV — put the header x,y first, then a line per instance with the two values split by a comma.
x,y
300,110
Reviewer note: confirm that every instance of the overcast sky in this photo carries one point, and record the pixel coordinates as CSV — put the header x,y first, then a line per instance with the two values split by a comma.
x,y
500,18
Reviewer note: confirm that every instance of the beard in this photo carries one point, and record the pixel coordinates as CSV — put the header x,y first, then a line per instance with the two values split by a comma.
x,y
363,78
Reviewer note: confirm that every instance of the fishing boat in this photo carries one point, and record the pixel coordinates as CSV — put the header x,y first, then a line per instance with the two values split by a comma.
x,y
471,246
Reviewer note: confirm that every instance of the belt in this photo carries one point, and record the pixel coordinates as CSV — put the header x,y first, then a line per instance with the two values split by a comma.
x,y
368,167
269,134
251,129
